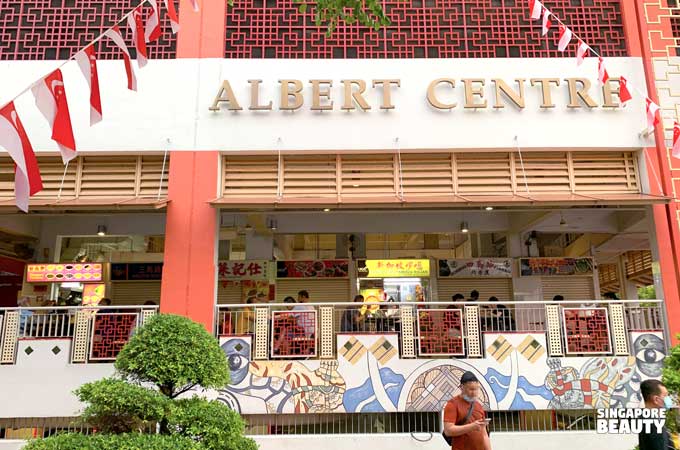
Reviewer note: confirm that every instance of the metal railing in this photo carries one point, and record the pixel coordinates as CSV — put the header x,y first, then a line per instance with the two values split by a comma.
x,y
441,328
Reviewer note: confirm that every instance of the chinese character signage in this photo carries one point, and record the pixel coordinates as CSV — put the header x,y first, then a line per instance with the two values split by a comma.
x,y
136,271
58,273
555,266
394,268
313,269
476,267
242,270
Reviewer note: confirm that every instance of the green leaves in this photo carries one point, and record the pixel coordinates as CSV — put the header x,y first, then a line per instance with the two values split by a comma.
x,y
368,13
116,406
175,354
132,441
211,423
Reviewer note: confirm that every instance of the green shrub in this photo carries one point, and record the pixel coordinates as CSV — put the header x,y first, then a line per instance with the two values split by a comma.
x,y
211,423
132,441
175,354
116,406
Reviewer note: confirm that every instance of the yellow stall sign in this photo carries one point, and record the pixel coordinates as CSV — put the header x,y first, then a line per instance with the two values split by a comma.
x,y
396,268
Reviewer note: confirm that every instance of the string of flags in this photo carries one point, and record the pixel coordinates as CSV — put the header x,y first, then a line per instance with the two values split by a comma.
x,y
537,10
50,96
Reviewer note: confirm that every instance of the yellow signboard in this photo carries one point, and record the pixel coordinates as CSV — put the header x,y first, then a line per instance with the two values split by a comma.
x,y
395,268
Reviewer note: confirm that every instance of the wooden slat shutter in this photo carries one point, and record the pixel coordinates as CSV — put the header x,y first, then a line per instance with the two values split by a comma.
x,y
135,292
250,176
229,293
322,290
487,287
605,172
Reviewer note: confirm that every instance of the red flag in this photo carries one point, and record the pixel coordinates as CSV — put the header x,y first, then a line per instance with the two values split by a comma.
x,y
676,139
117,38
172,14
535,7
602,74
652,114
624,93
87,61
50,98
582,51
152,29
565,38
135,24
546,21
13,138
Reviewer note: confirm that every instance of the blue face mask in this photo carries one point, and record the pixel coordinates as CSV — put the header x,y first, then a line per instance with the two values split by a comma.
x,y
468,399
668,402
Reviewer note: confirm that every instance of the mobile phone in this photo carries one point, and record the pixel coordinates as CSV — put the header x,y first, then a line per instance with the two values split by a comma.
x,y
487,420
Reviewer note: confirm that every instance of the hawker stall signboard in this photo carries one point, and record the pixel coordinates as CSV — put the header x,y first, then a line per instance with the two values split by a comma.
x,y
394,268
337,268
475,267
59,273
243,270
136,271
555,266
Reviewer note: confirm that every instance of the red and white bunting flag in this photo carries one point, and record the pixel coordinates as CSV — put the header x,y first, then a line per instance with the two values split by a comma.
x,y
582,51
13,138
135,23
87,61
676,140
117,38
50,98
536,6
152,29
546,21
565,38
652,115
194,3
172,14
624,93
602,74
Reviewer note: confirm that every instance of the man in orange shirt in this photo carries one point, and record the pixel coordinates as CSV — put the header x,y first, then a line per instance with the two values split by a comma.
x,y
465,418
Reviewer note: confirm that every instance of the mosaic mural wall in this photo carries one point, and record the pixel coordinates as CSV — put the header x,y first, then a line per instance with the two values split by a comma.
x,y
369,376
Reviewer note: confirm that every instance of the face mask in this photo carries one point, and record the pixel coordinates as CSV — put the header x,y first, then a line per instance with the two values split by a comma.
x,y
668,402
468,399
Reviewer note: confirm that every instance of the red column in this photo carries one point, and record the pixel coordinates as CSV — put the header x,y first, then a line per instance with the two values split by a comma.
x,y
655,33
189,285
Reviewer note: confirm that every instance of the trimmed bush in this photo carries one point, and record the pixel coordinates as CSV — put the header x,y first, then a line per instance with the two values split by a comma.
x,y
131,441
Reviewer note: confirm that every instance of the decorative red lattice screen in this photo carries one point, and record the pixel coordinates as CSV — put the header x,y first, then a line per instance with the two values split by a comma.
x,y
110,333
55,29
440,332
421,29
586,330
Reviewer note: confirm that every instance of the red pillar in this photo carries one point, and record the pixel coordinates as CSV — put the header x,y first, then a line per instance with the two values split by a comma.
x,y
189,285
655,33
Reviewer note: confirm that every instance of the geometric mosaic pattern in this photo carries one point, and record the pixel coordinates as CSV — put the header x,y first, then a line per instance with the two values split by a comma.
x,y
420,29
110,333
56,29
433,388
353,350
383,350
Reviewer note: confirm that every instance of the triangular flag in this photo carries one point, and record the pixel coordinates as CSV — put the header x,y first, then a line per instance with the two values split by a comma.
x,y
117,38
194,3
135,23
652,114
624,93
152,29
87,61
676,139
13,138
50,98
172,15
582,51
536,7
546,21
565,38
602,74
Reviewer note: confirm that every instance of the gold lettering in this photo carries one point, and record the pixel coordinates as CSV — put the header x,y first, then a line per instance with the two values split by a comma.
x,y
318,94
348,104
255,97
387,96
471,91
575,93
545,90
607,93
515,97
287,93
432,95
225,95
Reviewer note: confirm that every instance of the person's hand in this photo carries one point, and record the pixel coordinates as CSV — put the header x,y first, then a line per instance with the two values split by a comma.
x,y
478,425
